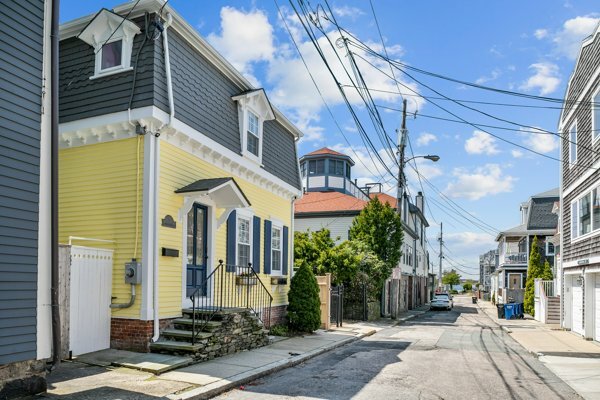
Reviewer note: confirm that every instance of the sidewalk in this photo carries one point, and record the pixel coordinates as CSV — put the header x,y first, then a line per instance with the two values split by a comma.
x,y
573,359
126,375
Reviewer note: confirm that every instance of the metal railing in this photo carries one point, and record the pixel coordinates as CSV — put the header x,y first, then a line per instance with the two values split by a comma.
x,y
229,287
547,288
513,258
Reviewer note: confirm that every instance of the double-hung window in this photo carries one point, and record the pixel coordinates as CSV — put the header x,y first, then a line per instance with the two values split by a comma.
x,y
573,144
585,213
316,167
276,250
336,167
549,248
244,256
253,140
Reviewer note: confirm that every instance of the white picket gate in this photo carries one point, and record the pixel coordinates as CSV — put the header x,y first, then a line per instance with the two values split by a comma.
x,y
90,297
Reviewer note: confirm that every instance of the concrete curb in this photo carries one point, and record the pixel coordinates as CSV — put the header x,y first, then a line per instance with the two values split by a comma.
x,y
406,318
224,385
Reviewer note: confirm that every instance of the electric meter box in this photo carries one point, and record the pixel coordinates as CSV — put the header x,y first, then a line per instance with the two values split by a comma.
x,y
133,272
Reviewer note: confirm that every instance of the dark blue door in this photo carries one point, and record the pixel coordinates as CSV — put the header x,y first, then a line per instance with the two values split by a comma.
x,y
196,250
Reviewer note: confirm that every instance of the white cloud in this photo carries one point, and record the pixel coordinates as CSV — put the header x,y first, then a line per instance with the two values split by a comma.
x,y
482,181
538,140
540,33
517,153
545,78
461,241
481,143
245,38
425,138
495,74
568,40
347,11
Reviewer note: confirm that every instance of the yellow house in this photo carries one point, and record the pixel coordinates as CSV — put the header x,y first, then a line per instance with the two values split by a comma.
x,y
176,166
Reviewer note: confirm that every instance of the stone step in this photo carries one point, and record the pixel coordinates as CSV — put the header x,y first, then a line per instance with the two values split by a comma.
x,y
184,334
217,314
186,324
172,346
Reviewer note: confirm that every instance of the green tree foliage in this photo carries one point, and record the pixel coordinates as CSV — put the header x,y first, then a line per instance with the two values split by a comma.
x,y
547,274
467,286
309,246
304,309
342,262
534,270
380,228
451,278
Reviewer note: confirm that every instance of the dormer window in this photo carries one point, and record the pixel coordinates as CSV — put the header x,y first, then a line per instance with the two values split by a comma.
x,y
111,37
253,139
253,110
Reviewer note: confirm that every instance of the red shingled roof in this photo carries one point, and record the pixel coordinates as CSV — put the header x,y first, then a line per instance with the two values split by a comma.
x,y
328,201
325,150
384,198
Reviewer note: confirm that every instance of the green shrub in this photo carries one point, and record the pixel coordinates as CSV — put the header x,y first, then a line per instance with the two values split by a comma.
x,y
454,291
304,309
280,330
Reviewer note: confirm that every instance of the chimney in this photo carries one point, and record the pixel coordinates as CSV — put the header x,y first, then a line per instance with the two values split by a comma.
x,y
420,200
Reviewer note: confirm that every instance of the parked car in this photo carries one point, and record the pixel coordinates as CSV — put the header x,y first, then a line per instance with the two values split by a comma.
x,y
442,301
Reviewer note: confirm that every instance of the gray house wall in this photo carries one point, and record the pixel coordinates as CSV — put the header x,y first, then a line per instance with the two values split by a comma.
x,y
202,96
588,152
21,58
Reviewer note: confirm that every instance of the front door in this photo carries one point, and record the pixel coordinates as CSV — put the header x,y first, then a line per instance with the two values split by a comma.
x,y
514,281
197,237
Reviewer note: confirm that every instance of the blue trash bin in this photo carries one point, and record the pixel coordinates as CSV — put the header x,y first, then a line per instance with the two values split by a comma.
x,y
509,311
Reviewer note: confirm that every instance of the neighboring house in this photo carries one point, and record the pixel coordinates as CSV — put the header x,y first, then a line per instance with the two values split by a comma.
x,y
331,200
170,162
580,201
25,252
487,266
514,245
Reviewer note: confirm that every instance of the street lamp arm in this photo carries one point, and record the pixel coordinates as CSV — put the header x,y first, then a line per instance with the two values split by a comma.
x,y
434,158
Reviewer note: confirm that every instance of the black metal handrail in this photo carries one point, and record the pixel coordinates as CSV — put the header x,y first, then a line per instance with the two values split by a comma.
x,y
229,287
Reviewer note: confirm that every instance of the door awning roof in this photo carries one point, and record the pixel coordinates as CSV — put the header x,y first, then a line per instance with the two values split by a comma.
x,y
225,192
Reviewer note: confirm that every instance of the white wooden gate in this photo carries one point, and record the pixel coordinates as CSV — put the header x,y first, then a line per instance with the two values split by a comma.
x,y
577,307
91,286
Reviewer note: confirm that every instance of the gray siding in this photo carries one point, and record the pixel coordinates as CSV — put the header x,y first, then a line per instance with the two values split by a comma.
x,y
21,58
82,97
588,61
279,153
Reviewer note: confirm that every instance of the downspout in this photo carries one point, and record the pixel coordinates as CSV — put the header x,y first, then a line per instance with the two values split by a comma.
x,y
54,281
167,60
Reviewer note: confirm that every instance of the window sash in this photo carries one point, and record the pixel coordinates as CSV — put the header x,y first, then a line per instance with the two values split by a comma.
x,y
112,55
585,214
252,134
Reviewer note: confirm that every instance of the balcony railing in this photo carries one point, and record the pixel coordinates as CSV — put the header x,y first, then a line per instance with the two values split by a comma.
x,y
513,258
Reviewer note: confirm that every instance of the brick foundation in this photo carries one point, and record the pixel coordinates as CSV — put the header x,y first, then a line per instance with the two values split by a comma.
x,y
278,315
133,334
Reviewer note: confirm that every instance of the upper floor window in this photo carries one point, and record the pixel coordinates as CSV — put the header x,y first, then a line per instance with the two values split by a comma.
x,y
253,140
585,214
336,167
549,248
303,169
348,171
253,110
316,167
111,37
573,144
596,115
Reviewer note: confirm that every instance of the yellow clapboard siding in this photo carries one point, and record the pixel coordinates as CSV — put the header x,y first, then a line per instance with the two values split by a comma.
x,y
97,199
179,168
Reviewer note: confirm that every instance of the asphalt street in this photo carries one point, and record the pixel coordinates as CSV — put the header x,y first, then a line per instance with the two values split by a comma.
x,y
458,354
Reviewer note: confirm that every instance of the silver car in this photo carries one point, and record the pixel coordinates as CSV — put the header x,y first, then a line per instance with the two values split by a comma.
x,y
441,301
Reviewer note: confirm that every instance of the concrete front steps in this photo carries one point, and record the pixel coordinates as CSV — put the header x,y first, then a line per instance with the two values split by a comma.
x,y
553,307
228,331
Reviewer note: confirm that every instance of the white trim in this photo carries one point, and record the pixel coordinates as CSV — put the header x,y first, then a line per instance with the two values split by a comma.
x,y
548,243
44,310
593,230
148,199
575,263
115,126
570,130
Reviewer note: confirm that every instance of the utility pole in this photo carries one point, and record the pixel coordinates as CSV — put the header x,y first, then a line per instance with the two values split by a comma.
x,y
401,146
441,239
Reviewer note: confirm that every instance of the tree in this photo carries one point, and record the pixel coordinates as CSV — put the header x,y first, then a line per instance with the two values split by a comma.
x,y
342,262
467,286
309,247
379,227
547,274
451,278
534,270
304,309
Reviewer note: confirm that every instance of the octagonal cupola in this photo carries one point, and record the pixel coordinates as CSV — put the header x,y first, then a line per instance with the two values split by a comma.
x,y
327,170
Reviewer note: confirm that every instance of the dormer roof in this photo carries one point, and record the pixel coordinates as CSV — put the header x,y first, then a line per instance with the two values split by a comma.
x,y
106,25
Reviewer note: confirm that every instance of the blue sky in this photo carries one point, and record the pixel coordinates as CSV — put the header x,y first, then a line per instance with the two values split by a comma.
x,y
528,47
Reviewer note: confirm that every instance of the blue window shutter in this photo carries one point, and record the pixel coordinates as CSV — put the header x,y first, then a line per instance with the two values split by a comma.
x,y
256,244
267,246
285,250
231,239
